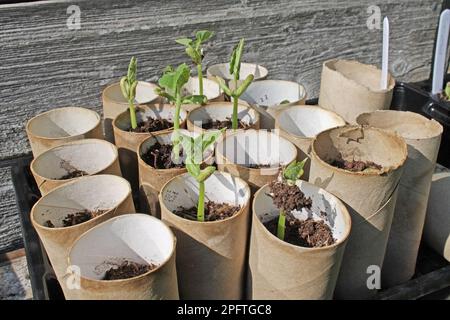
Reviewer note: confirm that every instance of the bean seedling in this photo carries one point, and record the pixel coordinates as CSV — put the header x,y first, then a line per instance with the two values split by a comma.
x,y
195,51
194,149
172,83
290,175
128,86
237,91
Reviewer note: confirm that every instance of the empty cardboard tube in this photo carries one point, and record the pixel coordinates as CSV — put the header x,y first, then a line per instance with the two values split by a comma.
x,y
130,237
423,138
370,196
127,142
99,192
114,102
211,256
269,97
282,271
436,232
58,126
351,88
93,156
256,156
300,124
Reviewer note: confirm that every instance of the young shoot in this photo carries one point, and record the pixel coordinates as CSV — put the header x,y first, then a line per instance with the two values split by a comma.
x,y
447,91
128,86
290,175
194,149
237,91
195,51
171,83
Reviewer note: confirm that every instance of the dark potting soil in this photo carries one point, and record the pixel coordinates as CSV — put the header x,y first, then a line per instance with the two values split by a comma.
x,y
355,165
152,125
220,124
76,218
159,156
73,174
127,269
288,197
213,211
304,233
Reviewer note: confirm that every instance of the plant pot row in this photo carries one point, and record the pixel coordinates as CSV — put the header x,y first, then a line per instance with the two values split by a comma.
x,y
358,205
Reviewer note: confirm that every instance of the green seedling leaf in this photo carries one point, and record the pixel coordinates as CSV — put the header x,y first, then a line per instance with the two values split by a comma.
x,y
209,138
195,99
184,41
285,102
124,86
203,35
447,90
244,86
294,171
168,69
194,54
205,173
223,86
128,86
164,94
132,70
194,170
235,61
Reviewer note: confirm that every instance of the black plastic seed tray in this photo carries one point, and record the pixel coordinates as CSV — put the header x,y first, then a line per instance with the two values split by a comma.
x,y
432,272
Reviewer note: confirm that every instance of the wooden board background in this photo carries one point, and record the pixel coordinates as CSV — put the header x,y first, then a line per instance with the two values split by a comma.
x,y
45,65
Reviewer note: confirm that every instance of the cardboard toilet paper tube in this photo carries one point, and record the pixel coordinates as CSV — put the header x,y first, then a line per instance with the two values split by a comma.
x,y
99,192
58,126
350,88
369,195
133,237
127,142
211,256
437,224
423,138
151,179
211,90
300,124
114,102
220,111
280,270
270,97
256,156
92,156
223,70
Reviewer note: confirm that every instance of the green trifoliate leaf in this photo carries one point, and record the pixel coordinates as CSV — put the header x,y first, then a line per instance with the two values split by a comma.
x,y
181,76
195,55
294,171
244,85
205,173
223,86
203,35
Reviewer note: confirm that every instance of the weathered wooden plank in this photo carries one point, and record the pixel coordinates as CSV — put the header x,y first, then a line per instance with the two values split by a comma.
x,y
10,230
44,64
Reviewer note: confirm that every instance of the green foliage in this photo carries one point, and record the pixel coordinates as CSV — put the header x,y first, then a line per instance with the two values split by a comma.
x,y
235,61
128,86
294,171
194,46
447,90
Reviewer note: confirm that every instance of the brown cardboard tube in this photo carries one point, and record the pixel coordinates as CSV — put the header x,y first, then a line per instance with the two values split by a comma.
x,y
131,237
370,196
104,192
211,256
437,224
114,102
210,89
93,156
127,142
423,138
58,126
223,70
238,151
300,124
280,270
151,180
350,88
220,111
